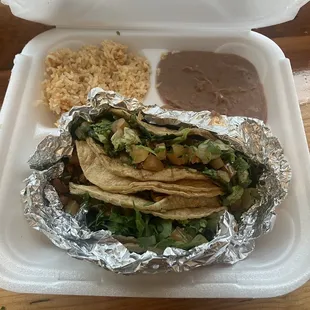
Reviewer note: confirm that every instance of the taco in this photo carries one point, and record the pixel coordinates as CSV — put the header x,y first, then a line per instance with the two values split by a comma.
x,y
144,221
98,174
159,158
124,166
153,202
137,221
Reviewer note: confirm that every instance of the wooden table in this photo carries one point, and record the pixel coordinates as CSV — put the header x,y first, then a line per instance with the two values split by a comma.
x,y
294,39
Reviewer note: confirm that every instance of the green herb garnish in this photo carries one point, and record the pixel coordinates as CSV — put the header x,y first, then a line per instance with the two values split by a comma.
x,y
149,231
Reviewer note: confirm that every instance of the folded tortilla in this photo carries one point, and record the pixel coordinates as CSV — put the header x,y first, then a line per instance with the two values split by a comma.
x,y
100,176
159,130
115,166
170,207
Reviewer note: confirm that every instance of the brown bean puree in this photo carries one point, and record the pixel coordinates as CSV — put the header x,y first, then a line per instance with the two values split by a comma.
x,y
224,83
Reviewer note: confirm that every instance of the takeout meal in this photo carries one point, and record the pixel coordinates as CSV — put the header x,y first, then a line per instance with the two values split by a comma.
x,y
199,80
70,75
154,186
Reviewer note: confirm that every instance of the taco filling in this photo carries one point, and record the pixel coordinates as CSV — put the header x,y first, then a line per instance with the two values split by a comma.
x,y
146,230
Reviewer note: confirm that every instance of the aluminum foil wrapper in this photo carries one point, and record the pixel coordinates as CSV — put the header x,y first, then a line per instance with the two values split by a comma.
x,y
232,243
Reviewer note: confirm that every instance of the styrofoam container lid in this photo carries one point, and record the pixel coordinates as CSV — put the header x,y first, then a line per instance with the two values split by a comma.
x,y
144,14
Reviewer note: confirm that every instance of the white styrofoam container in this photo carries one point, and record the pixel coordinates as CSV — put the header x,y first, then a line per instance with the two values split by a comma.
x,y
29,262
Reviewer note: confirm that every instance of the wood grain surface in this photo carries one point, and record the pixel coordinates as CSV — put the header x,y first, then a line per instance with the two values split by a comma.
x,y
294,38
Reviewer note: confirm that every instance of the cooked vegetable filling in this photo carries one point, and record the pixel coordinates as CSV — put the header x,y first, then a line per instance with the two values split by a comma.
x,y
149,231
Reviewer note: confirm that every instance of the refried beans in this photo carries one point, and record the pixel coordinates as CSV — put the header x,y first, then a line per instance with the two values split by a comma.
x,y
197,80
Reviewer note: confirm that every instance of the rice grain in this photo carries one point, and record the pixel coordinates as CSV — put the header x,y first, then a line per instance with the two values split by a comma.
x,y
70,75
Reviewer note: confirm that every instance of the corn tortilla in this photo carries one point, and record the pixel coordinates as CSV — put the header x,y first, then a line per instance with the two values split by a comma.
x,y
170,207
115,166
98,175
